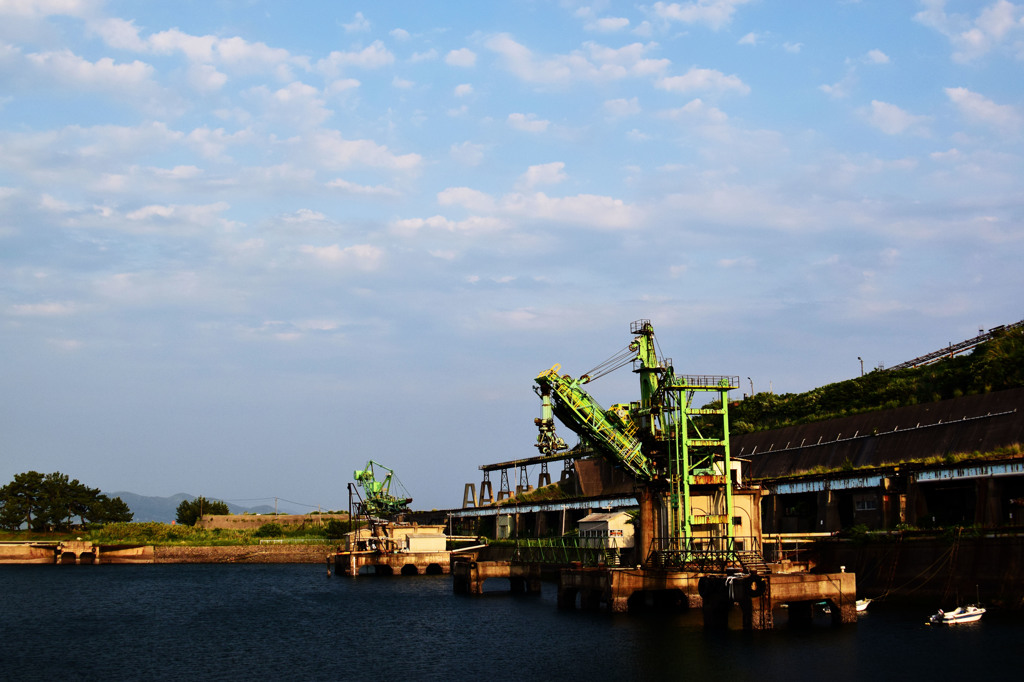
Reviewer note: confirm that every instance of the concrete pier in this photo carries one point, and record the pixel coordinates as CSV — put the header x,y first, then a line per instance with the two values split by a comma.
x,y
392,563
73,552
468,576
621,590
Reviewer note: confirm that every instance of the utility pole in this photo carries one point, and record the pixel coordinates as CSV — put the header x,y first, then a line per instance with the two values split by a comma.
x,y
861,365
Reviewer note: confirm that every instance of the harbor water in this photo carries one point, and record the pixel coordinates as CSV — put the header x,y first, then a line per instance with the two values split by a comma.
x,y
235,622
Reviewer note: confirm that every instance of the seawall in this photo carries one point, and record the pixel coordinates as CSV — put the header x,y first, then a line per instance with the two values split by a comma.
x,y
933,569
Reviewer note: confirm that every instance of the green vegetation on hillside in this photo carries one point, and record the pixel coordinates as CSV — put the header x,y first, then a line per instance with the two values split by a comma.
x,y
995,365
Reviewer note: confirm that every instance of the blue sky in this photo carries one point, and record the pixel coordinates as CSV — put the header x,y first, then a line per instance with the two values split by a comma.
x,y
247,246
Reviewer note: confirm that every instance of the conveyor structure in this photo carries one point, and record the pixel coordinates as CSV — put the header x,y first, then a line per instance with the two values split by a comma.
x,y
670,446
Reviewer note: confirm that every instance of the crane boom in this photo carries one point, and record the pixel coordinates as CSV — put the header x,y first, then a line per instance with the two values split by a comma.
x,y
580,412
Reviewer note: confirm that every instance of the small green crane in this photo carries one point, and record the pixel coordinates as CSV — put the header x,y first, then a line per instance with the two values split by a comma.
x,y
379,501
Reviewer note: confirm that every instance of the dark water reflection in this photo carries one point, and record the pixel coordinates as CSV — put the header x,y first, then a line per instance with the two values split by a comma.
x,y
291,622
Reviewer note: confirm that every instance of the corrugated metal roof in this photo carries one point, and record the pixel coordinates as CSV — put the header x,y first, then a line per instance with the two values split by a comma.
x,y
602,516
980,423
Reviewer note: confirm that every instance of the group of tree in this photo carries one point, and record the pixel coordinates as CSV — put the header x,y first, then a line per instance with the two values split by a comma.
x,y
189,511
994,365
56,503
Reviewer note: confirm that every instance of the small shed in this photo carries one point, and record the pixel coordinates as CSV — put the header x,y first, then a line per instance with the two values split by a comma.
x,y
611,530
425,542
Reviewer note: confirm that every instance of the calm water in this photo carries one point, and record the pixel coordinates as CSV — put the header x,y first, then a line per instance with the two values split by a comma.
x,y
291,622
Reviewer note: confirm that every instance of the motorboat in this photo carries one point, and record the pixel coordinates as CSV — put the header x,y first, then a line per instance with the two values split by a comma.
x,y
862,605
961,614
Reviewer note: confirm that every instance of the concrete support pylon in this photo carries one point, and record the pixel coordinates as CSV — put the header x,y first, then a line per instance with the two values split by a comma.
x,y
469,496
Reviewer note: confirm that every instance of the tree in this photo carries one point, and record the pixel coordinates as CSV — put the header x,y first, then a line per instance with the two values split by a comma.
x,y
111,510
269,530
53,502
336,529
21,499
189,511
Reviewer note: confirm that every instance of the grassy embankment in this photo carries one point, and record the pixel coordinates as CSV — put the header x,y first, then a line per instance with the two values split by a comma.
x,y
154,533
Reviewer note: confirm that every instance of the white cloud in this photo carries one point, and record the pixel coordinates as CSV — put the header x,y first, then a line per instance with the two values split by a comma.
x,y
427,56
876,57
402,83
981,110
359,24
741,262
463,57
206,78
543,174
892,120
467,153
352,188
463,90
71,71
296,104
399,34
329,149
44,8
997,25
620,108
342,85
373,56
305,215
470,199
359,256
171,218
793,48
528,123
211,144
702,79
595,63
748,39
696,109
47,309
840,89
74,149
119,34
472,225
713,13
607,24
587,210
235,54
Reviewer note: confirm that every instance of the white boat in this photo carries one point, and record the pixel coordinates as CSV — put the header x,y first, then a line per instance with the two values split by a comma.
x,y
961,614
862,604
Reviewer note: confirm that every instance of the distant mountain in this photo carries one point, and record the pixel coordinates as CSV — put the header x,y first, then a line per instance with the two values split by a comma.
x,y
164,509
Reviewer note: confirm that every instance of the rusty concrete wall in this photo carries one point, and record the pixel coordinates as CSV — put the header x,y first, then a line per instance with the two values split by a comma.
x,y
599,477
972,423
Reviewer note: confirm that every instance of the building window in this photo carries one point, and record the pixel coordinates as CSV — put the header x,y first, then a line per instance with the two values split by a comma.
x,y
865,504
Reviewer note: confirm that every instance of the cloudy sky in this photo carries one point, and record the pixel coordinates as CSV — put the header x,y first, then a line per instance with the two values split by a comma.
x,y
246,246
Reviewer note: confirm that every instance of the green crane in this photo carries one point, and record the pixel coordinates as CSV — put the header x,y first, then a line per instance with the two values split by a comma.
x,y
378,500
658,440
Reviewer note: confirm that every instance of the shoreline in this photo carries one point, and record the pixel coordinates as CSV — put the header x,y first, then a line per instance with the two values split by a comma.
x,y
79,552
